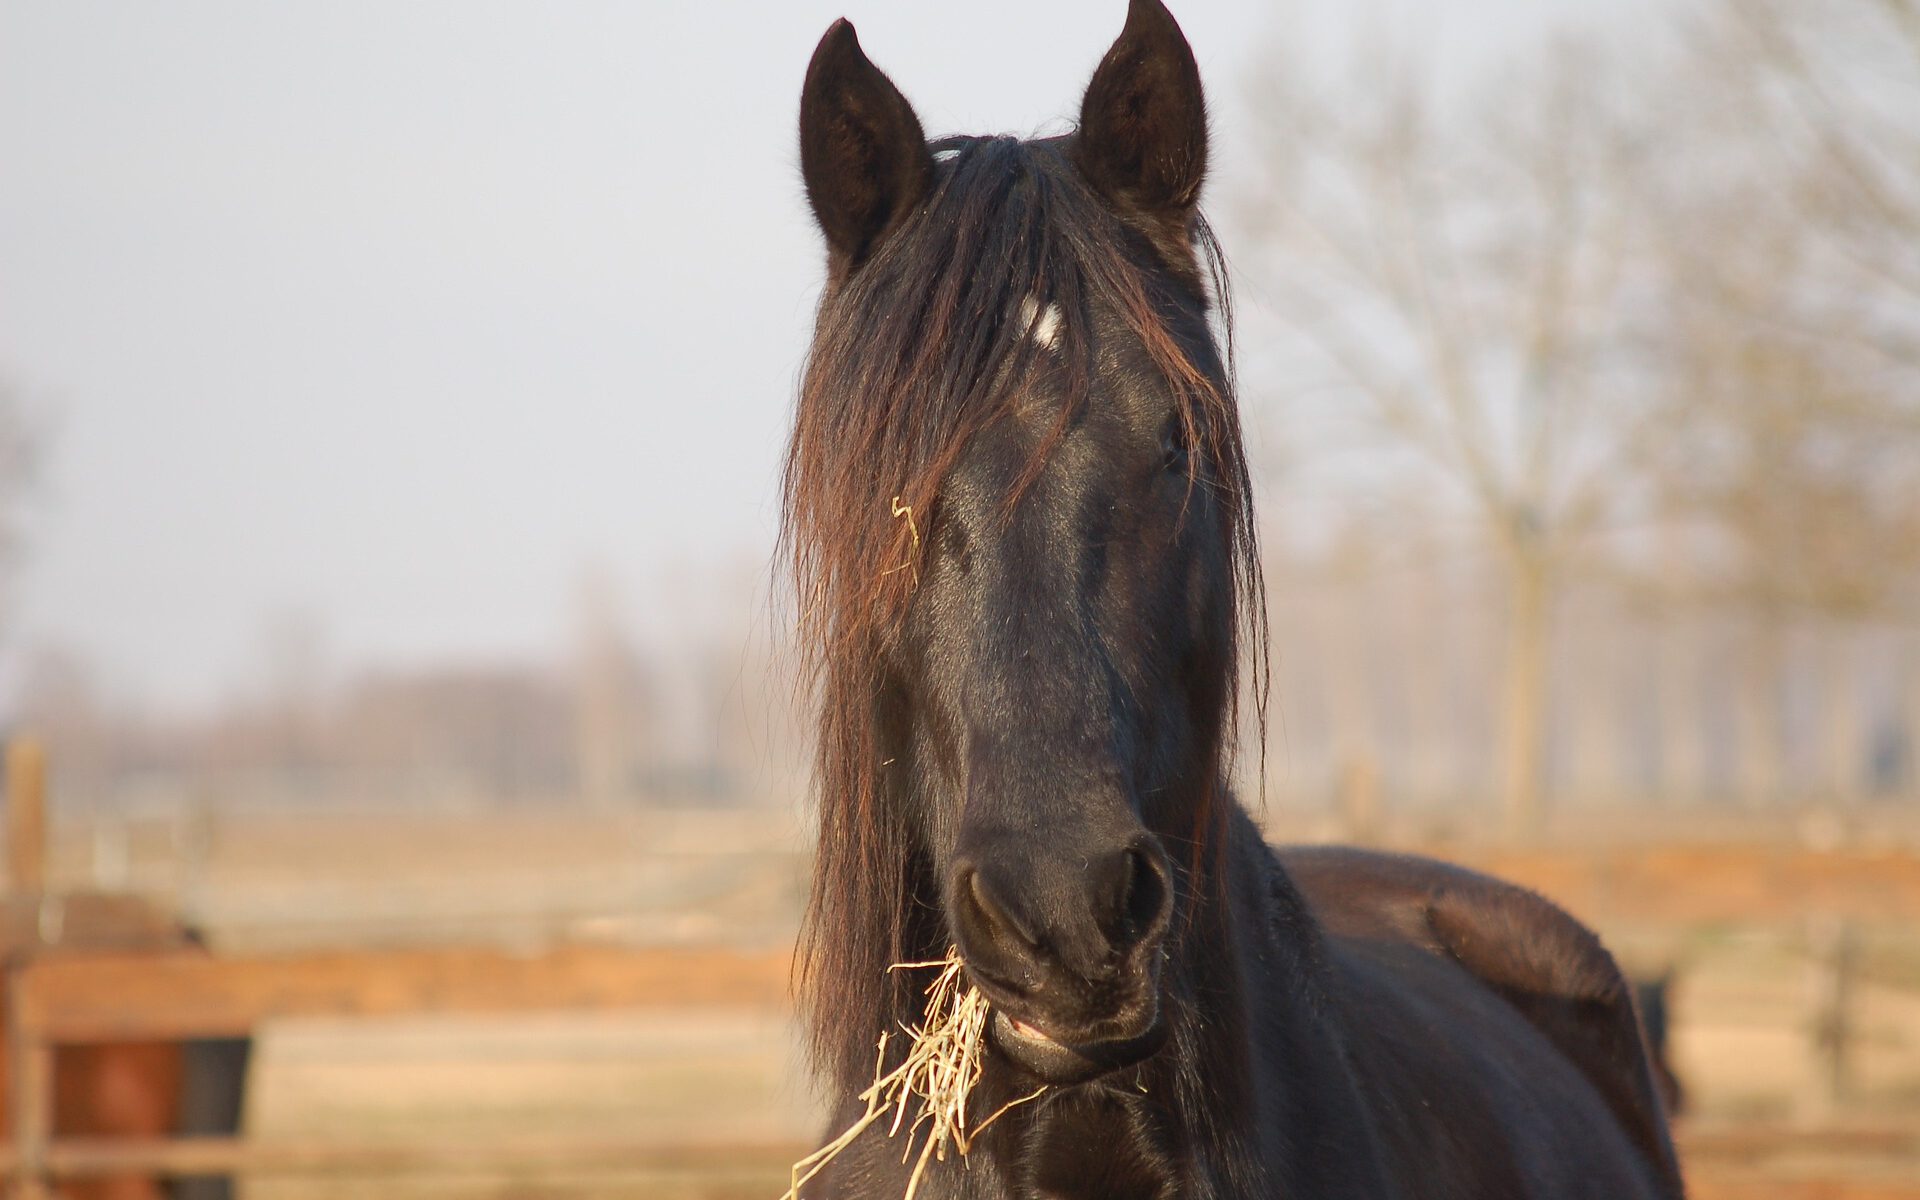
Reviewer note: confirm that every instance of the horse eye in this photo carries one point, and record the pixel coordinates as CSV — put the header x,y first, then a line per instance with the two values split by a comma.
x,y
951,537
1173,444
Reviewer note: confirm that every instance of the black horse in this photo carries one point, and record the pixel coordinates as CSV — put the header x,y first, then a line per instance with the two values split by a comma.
x,y
1018,514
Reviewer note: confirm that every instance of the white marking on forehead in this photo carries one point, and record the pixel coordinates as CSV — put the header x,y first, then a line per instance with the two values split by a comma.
x,y
1042,326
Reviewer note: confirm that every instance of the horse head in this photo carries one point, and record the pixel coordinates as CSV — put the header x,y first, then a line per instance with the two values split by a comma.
x,y
1018,506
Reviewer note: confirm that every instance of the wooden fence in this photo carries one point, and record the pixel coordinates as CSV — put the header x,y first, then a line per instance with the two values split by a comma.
x,y
143,991
104,969
183,994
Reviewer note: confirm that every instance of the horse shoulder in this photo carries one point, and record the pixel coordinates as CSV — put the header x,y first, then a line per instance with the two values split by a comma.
x,y
1551,968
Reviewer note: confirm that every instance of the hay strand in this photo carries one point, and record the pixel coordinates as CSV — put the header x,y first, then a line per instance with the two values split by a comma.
x,y
943,1063
913,551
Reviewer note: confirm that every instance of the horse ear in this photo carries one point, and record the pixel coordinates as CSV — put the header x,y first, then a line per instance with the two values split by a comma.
x,y
1143,122
862,153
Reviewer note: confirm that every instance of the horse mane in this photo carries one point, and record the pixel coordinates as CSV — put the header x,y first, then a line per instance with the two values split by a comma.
x,y
915,351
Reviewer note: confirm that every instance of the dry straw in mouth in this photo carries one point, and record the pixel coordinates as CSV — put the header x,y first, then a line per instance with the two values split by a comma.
x,y
942,1065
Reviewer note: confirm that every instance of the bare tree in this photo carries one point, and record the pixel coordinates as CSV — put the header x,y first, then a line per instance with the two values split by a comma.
x,y
1802,249
1790,333
1467,276
1831,90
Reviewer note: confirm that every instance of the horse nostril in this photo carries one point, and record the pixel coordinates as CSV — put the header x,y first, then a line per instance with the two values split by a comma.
x,y
995,919
1146,901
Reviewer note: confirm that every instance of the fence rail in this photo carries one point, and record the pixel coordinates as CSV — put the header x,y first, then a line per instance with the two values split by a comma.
x,y
80,1158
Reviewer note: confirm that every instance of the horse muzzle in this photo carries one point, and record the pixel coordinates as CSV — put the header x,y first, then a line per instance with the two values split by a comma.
x,y
1062,1063
1066,936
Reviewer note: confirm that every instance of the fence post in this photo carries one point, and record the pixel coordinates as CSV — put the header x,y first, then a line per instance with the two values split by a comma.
x,y
1834,950
30,1096
1359,800
29,1060
26,816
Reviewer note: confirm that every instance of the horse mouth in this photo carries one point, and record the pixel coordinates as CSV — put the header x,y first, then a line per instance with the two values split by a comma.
x,y
1061,1063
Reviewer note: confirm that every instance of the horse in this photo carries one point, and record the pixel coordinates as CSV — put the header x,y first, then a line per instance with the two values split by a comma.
x,y
144,1090
1018,518
127,1090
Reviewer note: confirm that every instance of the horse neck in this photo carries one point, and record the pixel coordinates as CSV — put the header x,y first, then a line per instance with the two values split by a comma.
x,y
1252,973
1257,1061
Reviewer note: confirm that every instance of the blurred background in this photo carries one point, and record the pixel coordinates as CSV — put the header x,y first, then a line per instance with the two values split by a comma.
x,y
391,401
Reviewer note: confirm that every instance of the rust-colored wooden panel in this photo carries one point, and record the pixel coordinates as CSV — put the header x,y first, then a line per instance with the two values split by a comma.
x,y
1771,1161
1749,1142
1700,884
135,996
1717,1184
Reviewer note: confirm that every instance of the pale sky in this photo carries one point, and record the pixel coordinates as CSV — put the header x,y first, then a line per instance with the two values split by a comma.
x,y
408,315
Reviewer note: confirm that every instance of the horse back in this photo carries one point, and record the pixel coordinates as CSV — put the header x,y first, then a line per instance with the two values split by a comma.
x,y
1551,969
